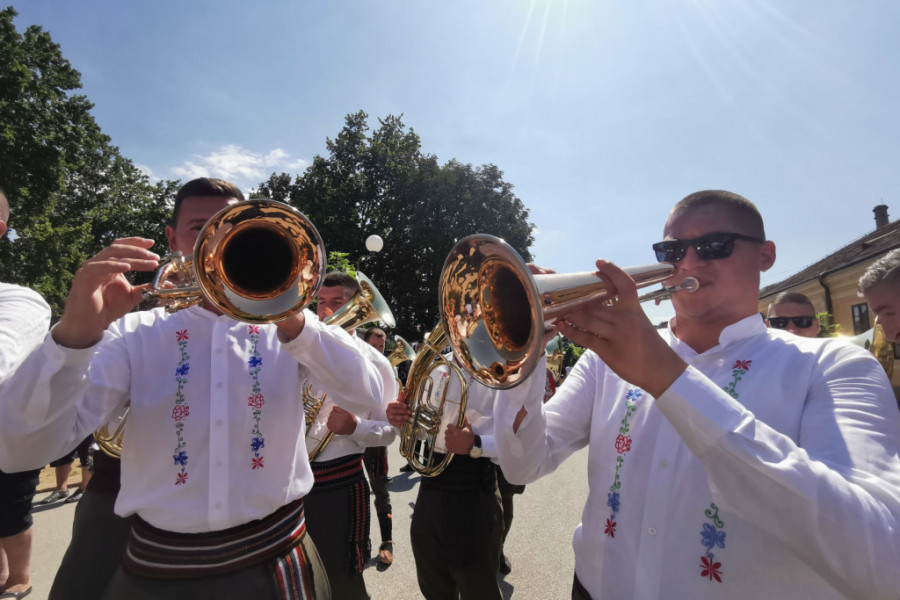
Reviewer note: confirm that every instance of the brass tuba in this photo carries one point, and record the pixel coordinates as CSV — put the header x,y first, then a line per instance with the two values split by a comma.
x,y
497,312
427,410
366,306
257,261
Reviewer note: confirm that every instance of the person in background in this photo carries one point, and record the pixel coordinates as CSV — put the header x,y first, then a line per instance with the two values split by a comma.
x,y
24,320
880,288
793,312
63,468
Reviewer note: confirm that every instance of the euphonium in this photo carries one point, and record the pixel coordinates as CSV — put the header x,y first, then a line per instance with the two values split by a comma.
x,y
428,411
258,261
111,443
402,352
366,306
497,312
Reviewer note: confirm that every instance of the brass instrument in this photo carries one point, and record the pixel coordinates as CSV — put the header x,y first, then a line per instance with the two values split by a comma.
x,y
427,411
366,306
111,443
402,352
875,341
555,356
258,261
497,312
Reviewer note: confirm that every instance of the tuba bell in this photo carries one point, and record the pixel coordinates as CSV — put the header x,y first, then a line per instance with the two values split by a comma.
x,y
257,261
366,306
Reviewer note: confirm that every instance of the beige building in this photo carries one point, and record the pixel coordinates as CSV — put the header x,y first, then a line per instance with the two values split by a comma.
x,y
831,283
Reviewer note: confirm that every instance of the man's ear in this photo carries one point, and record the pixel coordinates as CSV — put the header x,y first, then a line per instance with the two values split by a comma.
x,y
170,236
3,228
767,255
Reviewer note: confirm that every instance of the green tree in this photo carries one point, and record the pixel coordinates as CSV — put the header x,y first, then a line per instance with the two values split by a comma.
x,y
381,183
70,190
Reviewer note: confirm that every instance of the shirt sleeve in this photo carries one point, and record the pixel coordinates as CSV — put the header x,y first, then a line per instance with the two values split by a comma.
x,y
550,432
833,495
375,430
24,319
56,399
335,363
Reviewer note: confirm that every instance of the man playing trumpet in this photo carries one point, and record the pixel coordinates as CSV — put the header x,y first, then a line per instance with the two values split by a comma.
x,y
214,469
727,460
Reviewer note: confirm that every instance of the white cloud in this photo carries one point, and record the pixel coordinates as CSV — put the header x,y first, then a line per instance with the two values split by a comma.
x,y
241,166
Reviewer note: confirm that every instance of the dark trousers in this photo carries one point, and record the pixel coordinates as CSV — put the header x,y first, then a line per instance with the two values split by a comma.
x,y
578,591
255,582
456,534
328,523
376,468
99,537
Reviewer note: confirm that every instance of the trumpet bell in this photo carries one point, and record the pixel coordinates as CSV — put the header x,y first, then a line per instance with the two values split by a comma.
x,y
402,352
366,306
496,312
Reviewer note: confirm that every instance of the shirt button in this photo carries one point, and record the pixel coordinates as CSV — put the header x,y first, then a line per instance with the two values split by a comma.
x,y
218,351
219,505
219,386
652,531
219,423
218,463
663,464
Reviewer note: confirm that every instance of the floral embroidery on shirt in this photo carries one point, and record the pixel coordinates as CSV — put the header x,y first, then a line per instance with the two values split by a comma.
x,y
255,400
623,447
181,410
738,370
712,536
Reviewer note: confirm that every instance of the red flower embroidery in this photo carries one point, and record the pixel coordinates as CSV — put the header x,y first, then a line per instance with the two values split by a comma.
x,y
256,401
742,364
182,335
182,478
257,462
623,444
710,569
610,528
181,411
254,328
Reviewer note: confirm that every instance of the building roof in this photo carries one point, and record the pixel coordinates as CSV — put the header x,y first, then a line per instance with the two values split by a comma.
x,y
874,244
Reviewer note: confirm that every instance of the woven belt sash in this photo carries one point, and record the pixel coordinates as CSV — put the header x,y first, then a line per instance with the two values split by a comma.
x,y
153,552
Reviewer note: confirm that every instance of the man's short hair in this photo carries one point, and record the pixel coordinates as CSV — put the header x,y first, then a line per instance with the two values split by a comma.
x,y
373,331
205,186
339,278
742,208
793,298
884,270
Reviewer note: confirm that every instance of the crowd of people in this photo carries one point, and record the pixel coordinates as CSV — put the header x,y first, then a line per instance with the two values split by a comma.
x,y
732,455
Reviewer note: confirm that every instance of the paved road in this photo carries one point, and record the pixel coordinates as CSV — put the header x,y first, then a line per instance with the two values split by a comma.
x,y
539,545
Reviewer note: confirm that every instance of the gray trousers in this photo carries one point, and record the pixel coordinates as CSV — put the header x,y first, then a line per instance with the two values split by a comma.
x,y
98,542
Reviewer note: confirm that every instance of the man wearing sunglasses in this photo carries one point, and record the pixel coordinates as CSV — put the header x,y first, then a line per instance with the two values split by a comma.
x,y
727,459
794,312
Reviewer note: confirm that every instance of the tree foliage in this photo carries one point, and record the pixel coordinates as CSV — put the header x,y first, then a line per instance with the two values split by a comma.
x,y
70,191
380,182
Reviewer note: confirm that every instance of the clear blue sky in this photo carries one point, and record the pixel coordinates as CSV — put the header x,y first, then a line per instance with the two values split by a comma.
x,y
601,113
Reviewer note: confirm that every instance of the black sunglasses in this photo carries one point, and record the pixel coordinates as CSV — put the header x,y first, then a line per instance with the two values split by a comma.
x,y
711,246
782,322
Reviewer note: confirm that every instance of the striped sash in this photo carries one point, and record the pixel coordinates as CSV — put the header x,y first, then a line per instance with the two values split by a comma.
x,y
346,473
153,552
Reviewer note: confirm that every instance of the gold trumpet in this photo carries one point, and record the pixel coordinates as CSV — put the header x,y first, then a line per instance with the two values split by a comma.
x,y
257,261
366,306
497,312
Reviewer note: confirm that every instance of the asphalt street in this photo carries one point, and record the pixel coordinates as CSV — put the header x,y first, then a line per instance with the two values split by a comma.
x,y
539,544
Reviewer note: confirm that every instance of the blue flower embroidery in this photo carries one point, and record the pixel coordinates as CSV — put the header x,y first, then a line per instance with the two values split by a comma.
x,y
711,537
181,458
613,501
255,361
257,443
183,370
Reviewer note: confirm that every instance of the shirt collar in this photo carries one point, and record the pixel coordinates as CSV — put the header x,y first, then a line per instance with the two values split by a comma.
x,y
739,330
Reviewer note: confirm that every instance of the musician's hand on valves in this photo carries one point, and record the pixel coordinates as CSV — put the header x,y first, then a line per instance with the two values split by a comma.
x,y
616,328
341,421
398,413
459,440
100,292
